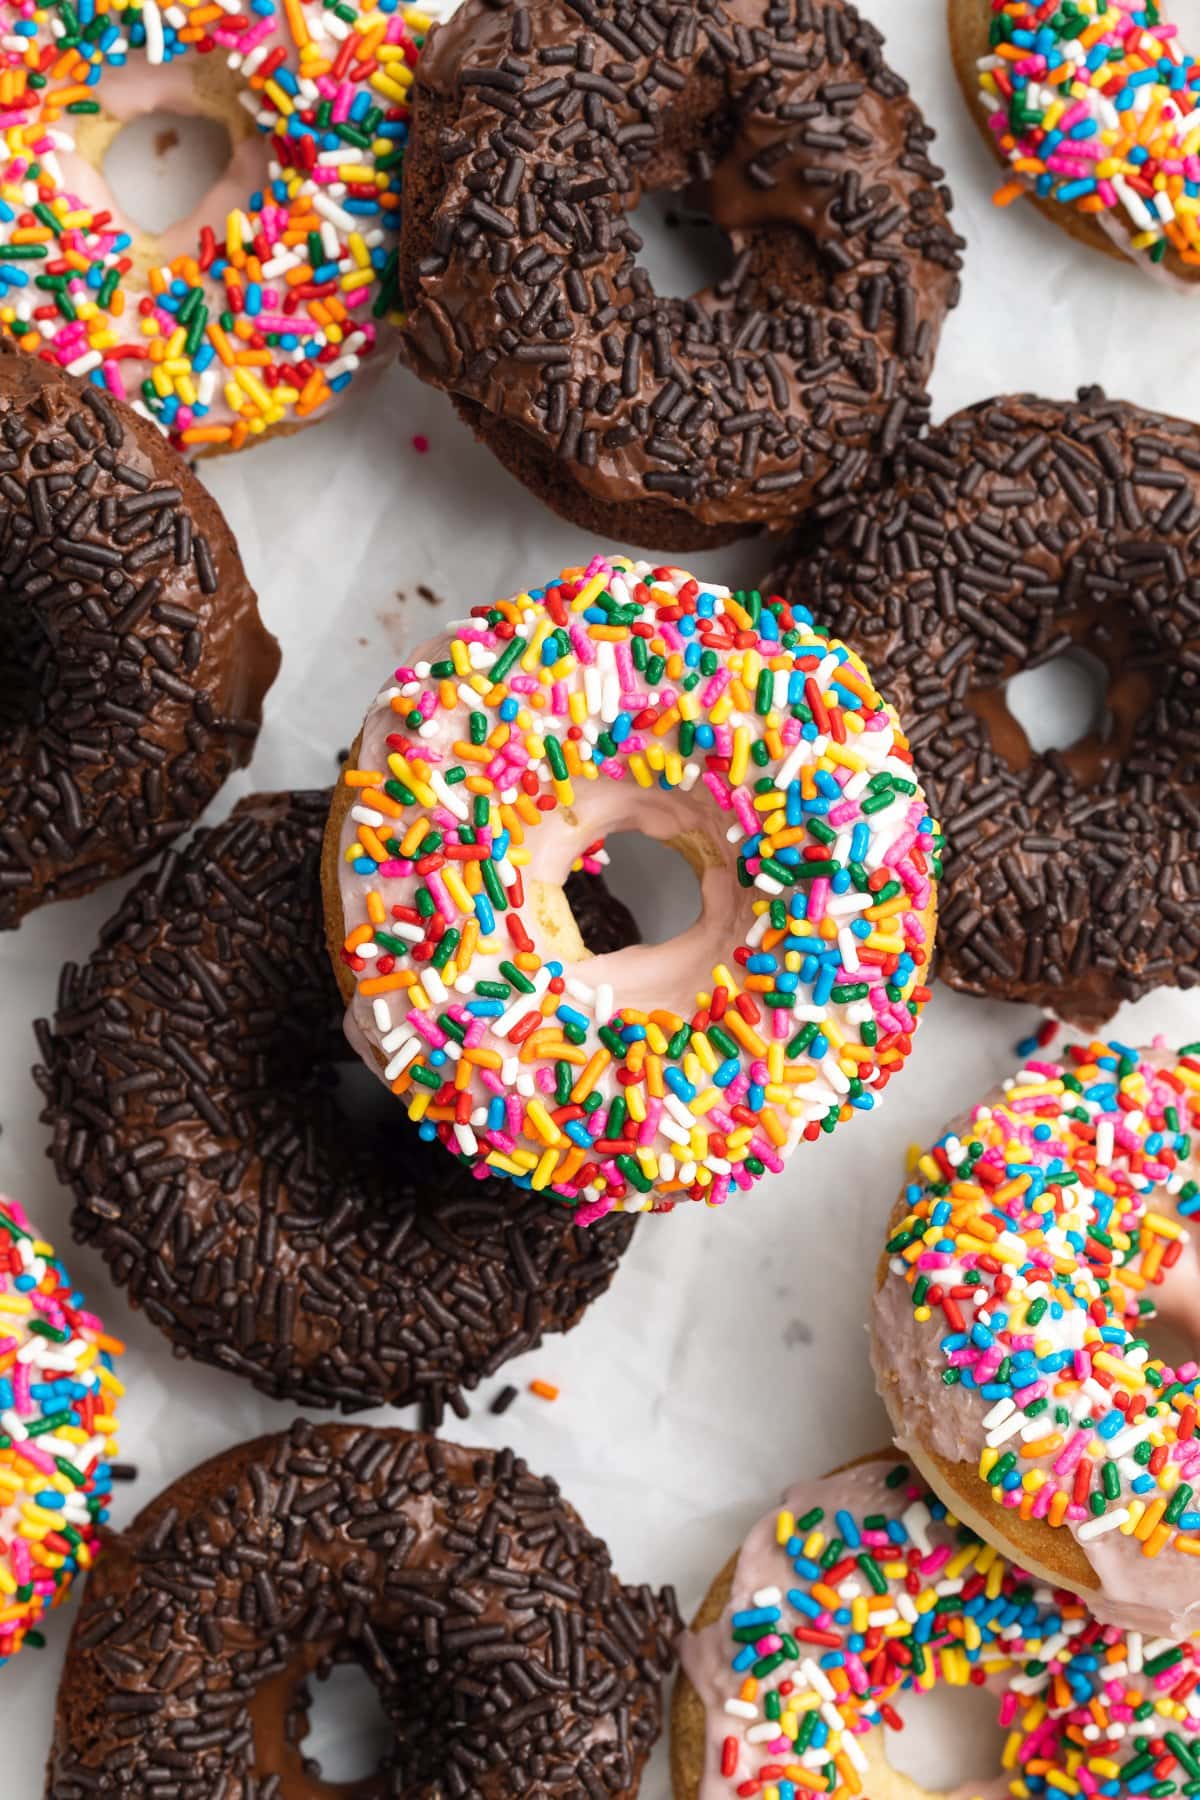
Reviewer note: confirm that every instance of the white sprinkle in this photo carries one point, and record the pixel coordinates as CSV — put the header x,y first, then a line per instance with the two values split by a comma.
x,y
1107,1522
433,984
402,1058
916,1520
153,25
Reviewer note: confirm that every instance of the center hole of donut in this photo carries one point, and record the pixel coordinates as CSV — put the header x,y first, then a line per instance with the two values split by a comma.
x,y
951,1739
366,1104
1062,701
349,1734
682,251
655,882
161,165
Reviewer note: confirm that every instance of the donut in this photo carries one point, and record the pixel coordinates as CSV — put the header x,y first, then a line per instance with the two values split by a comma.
x,y
251,316
724,724
860,1594
190,1076
1091,110
58,1401
133,662
507,1655
1017,530
679,423
1024,1264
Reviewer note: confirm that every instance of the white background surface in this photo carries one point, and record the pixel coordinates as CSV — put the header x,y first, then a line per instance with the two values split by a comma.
x,y
730,1355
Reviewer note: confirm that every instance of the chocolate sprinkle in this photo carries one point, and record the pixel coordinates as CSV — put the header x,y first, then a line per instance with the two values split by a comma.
x,y
682,423
1016,530
132,660
507,1655
191,1077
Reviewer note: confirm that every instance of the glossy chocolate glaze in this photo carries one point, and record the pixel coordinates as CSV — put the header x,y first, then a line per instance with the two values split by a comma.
x,y
508,1656
1017,530
133,662
191,1077
678,423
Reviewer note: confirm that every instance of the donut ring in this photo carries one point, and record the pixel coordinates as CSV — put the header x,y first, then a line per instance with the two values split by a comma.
x,y
251,316
678,423
1023,1263
1090,112
190,1077
58,1399
1019,528
507,1654
860,1592
727,725
133,662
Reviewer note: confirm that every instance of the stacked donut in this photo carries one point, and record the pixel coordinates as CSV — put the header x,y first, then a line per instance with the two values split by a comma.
x,y
623,695
1037,1534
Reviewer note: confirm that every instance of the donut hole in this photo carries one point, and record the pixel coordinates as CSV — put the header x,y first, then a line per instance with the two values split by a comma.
x,y
655,882
364,1102
683,250
161,165
951,1741
1062,702
348,1735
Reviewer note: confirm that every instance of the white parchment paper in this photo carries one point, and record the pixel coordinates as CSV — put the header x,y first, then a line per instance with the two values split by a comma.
x,y
730,1355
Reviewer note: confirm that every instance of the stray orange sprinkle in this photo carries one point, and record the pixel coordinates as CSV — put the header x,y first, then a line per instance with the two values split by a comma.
x,y
545,1390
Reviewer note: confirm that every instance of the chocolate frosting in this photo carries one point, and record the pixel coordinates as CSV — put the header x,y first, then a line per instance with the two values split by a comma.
x,y
191,1079
1020,529
133,663
508,1656
538,127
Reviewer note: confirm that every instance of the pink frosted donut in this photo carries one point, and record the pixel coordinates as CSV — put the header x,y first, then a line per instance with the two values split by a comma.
x,y
253,314
58,1396
1024,1264
623,696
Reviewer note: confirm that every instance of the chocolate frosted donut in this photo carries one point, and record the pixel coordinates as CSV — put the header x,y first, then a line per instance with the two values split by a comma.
x,y
190,1078
1020,528
678,423
508,1657
132,659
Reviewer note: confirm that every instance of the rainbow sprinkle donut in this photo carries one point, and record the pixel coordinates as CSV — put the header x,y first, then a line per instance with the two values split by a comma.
x,y
1093,105
859,1596
1025,1261
58,1395
619,697
255,317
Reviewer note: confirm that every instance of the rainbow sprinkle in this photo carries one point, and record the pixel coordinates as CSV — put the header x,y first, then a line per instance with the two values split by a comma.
x,y
58,1395
1094,104
1032,1245
849,1613
266,319
629,673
